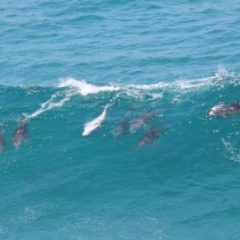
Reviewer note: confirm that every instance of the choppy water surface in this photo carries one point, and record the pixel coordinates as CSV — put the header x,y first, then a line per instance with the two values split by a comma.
x,y
161,65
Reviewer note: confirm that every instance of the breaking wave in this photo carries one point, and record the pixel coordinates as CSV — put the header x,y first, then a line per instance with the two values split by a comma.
x,y
72,87
84,88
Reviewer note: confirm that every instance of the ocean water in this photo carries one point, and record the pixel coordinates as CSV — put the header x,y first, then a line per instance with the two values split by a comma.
x,y
61,61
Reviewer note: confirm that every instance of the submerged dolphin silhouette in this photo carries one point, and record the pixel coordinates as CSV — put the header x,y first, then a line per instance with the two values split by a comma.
x,y
20,134
124,123
123,127
89,127
141,121
2,144
224,109
149,137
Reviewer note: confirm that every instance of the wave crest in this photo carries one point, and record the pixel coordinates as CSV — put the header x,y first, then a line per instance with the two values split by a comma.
x,y
136,91
85,88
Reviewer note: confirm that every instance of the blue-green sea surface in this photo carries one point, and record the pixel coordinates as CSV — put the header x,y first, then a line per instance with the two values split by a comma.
x,y
163,65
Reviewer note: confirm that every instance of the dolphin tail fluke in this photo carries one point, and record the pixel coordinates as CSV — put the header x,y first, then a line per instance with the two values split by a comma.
x,y
107,106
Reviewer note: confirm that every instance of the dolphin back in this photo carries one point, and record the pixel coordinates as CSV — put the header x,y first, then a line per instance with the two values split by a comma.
x,y
1,142
150,136
91,126
20,134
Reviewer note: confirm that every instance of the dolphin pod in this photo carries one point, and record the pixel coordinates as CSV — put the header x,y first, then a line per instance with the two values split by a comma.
x,y
125,126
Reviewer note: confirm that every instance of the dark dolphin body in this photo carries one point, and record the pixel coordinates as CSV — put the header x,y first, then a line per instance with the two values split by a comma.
x,y
124,123
141,121
149,137
123,127
2,145
20,134
224,110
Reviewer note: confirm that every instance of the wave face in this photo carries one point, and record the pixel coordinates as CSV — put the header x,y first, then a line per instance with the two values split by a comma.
x,y
157,167
56,170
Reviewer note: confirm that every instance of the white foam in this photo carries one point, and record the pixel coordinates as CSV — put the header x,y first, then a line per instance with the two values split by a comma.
x,y
56,100
85,88
29,215
231,151
180,84
187,84
222,72
139,91
158,85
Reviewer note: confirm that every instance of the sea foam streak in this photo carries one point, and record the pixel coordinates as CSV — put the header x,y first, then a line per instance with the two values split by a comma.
x,y
60,98
57,100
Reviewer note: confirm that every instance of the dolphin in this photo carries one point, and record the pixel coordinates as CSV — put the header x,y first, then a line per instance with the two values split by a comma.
x,y
123,127
2,144
89,127
141,121
224,109
124,123
149,137
20,134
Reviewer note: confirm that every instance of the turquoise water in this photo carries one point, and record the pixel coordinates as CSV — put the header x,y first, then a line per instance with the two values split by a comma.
x,y
61,61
